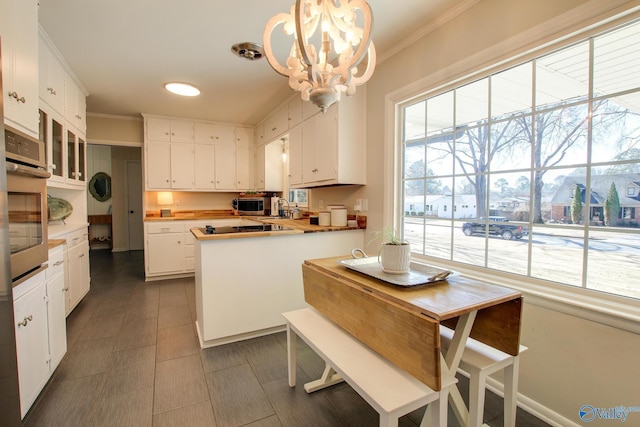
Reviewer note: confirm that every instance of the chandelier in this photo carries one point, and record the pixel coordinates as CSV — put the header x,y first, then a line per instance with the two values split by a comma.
x,y
323,64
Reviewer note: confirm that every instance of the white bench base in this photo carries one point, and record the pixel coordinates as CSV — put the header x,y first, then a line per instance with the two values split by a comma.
x,y
478,362
391,391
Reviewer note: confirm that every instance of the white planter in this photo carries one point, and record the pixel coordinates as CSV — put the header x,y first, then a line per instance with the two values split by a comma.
x,y
395,259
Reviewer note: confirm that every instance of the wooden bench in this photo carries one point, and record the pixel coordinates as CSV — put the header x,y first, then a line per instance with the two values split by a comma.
x,y
391,391
478,362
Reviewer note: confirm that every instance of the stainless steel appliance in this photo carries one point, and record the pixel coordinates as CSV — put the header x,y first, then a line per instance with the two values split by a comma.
x,y
256,206
27,206
10,402
243,229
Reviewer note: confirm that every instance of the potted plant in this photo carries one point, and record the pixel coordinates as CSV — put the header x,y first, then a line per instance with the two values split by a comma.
x,y
395,253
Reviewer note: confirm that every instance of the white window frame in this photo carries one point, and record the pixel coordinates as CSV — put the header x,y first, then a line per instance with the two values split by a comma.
x,y
592,18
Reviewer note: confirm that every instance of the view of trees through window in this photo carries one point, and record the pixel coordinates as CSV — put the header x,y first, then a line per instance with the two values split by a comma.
x,y
534,170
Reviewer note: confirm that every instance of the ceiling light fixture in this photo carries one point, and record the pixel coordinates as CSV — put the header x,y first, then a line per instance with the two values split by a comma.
x,y
322,71
184,89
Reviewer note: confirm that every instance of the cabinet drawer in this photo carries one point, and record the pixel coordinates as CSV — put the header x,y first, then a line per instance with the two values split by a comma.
x,y
77,236
56,262
165,227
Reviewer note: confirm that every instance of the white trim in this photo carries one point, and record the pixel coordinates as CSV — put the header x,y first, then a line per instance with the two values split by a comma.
x,y
539,411
114,117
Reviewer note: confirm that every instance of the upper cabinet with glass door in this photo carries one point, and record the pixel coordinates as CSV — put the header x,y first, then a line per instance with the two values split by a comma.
x,y
62,118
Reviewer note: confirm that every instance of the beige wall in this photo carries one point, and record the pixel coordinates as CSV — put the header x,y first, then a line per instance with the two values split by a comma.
x,y
115,130
571,361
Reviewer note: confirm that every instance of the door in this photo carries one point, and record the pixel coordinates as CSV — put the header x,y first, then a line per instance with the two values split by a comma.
x,y
134,205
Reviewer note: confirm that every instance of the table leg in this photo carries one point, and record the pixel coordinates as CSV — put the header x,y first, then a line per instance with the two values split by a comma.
x,y
291,355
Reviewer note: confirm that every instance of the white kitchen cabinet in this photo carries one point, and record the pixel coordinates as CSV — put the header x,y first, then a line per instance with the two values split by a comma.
x,y
259,134
168,130
51,76
225,168
269,167
214,133
75,106
56,315
158,165
19,27
32,342
52,134
182,162
204,171
169,166
244,168
276,124
77,272
295,156
76,155
333,146
164,248
244,137
295,111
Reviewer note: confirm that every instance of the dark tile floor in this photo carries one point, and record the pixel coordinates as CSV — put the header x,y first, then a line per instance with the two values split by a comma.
x,y
134,360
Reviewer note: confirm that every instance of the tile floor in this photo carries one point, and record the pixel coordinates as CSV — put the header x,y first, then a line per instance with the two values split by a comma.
x,y
133,360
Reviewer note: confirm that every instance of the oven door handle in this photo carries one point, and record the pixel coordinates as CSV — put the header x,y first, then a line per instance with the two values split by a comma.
x,y
27,170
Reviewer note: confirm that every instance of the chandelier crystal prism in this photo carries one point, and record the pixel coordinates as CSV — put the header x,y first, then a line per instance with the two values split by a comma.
x,y
332,38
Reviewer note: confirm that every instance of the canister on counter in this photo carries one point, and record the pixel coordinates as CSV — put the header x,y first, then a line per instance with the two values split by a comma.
x,y
324,219
339,217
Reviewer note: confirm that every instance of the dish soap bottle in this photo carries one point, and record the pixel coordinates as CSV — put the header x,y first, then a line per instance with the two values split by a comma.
x,y
296,213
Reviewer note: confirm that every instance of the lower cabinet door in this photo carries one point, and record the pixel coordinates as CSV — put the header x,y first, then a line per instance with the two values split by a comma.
x,y
165,253
32,344
57,320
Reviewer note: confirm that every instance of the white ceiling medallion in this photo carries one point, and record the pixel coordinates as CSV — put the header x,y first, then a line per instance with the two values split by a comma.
x,y
331,39
184,89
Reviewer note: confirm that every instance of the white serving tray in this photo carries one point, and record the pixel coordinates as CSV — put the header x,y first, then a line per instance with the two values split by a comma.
x,y
419,274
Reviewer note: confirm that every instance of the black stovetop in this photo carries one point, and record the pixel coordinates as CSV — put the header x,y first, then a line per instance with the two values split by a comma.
x,y
243,229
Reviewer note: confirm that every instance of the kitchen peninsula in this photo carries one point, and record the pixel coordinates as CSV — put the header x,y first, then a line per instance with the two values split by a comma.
x,y
245,281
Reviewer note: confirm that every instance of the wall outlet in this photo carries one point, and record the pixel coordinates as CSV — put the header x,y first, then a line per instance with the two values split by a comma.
x,y
177,203
321,204
358,206
365,205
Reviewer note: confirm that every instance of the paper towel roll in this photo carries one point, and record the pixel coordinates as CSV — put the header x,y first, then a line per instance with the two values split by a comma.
x,y
339,217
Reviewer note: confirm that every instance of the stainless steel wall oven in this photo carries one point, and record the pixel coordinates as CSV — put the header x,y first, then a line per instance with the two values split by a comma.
x,y
27,204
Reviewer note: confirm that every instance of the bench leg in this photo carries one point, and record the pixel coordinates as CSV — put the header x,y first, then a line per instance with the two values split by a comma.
x,y
329,377
386,420
291,355
477,384
510,392
436,413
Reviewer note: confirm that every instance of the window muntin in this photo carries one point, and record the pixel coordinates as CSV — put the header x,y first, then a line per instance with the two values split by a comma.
x,y
520,143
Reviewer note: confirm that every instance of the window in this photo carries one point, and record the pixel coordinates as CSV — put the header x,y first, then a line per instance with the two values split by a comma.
x,y
551,145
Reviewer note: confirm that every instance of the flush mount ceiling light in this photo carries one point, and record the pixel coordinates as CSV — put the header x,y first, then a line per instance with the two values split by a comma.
x,y
184,89
248,50
331,39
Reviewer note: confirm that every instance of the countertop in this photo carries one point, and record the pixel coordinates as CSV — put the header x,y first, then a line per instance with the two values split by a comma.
x,y
55,242
298,226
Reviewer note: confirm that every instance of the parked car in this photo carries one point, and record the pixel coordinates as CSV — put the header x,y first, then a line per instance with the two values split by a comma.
x,y
498,226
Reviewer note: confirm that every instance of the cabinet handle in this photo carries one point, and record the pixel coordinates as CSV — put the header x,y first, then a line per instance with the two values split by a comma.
x,y
52,91
273,129
55,264
15,95
26,320
78,117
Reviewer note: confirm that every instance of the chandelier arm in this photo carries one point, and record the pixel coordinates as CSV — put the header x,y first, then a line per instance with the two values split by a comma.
x,y
281,18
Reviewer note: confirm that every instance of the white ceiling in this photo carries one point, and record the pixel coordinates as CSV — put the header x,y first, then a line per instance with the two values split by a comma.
x,y
123,51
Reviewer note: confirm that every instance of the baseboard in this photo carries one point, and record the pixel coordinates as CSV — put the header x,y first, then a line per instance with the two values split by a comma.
x,y
534,408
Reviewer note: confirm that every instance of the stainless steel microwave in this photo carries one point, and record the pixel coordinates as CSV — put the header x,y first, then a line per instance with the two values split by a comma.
x,y
254,206
23,149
